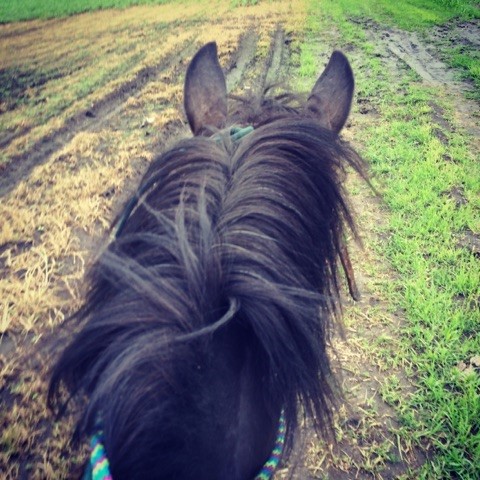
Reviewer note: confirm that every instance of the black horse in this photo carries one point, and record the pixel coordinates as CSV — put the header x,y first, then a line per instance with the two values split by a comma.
x,y
208,314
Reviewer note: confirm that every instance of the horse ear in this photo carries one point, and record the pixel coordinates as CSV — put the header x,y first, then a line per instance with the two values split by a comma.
x,y
205,93
332,94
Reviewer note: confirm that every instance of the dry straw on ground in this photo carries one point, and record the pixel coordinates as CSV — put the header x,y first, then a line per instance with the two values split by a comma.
x,y
105,92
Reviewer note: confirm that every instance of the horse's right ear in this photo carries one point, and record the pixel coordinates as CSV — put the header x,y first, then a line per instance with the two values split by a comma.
x,y
332,94
205,93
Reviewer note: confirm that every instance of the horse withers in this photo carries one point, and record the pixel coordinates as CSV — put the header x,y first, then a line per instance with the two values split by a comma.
x,y
203,336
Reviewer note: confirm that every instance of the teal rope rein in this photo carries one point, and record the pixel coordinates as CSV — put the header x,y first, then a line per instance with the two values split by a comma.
x,y
271,465
98,467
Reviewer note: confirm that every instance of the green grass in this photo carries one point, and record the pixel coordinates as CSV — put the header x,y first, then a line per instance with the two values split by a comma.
x,y
417,15
438,285
18,10
467,60
244,3
439,280
407,14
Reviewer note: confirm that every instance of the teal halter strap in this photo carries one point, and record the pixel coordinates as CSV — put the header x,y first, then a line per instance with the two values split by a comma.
x,y
98,467
237,133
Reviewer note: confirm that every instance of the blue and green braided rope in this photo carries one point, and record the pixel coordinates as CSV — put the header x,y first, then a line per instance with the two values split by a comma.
x,y
268,470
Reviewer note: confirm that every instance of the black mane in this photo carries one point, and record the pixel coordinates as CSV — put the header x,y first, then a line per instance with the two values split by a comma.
x,y
209,312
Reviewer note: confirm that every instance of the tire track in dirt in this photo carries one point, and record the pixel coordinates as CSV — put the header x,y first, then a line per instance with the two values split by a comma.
x,y
241,59
13,29
421,55
272,70
408,47
260,71
90,119
279,54
107,109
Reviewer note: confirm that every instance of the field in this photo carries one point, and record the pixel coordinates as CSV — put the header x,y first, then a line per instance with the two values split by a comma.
x,y
88,99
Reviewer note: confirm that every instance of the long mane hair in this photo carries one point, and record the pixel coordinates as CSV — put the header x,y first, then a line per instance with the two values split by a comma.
x,y
208,313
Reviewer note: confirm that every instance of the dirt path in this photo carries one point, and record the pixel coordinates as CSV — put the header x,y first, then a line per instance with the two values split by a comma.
x,y
62,191
421,53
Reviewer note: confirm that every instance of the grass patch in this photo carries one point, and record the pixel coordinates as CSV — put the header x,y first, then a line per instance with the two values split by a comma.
x,y
435,272
19,10
438,284
467,60
409,14
414,15
244,3
439,279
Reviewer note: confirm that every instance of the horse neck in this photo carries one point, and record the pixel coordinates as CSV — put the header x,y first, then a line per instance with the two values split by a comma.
x,y
248,417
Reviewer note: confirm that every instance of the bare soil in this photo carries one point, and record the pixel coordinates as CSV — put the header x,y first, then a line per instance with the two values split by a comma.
x,y
367,421
422,53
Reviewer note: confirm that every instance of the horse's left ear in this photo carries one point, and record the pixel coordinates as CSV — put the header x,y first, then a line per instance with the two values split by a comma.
x,y
332,94
205,93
